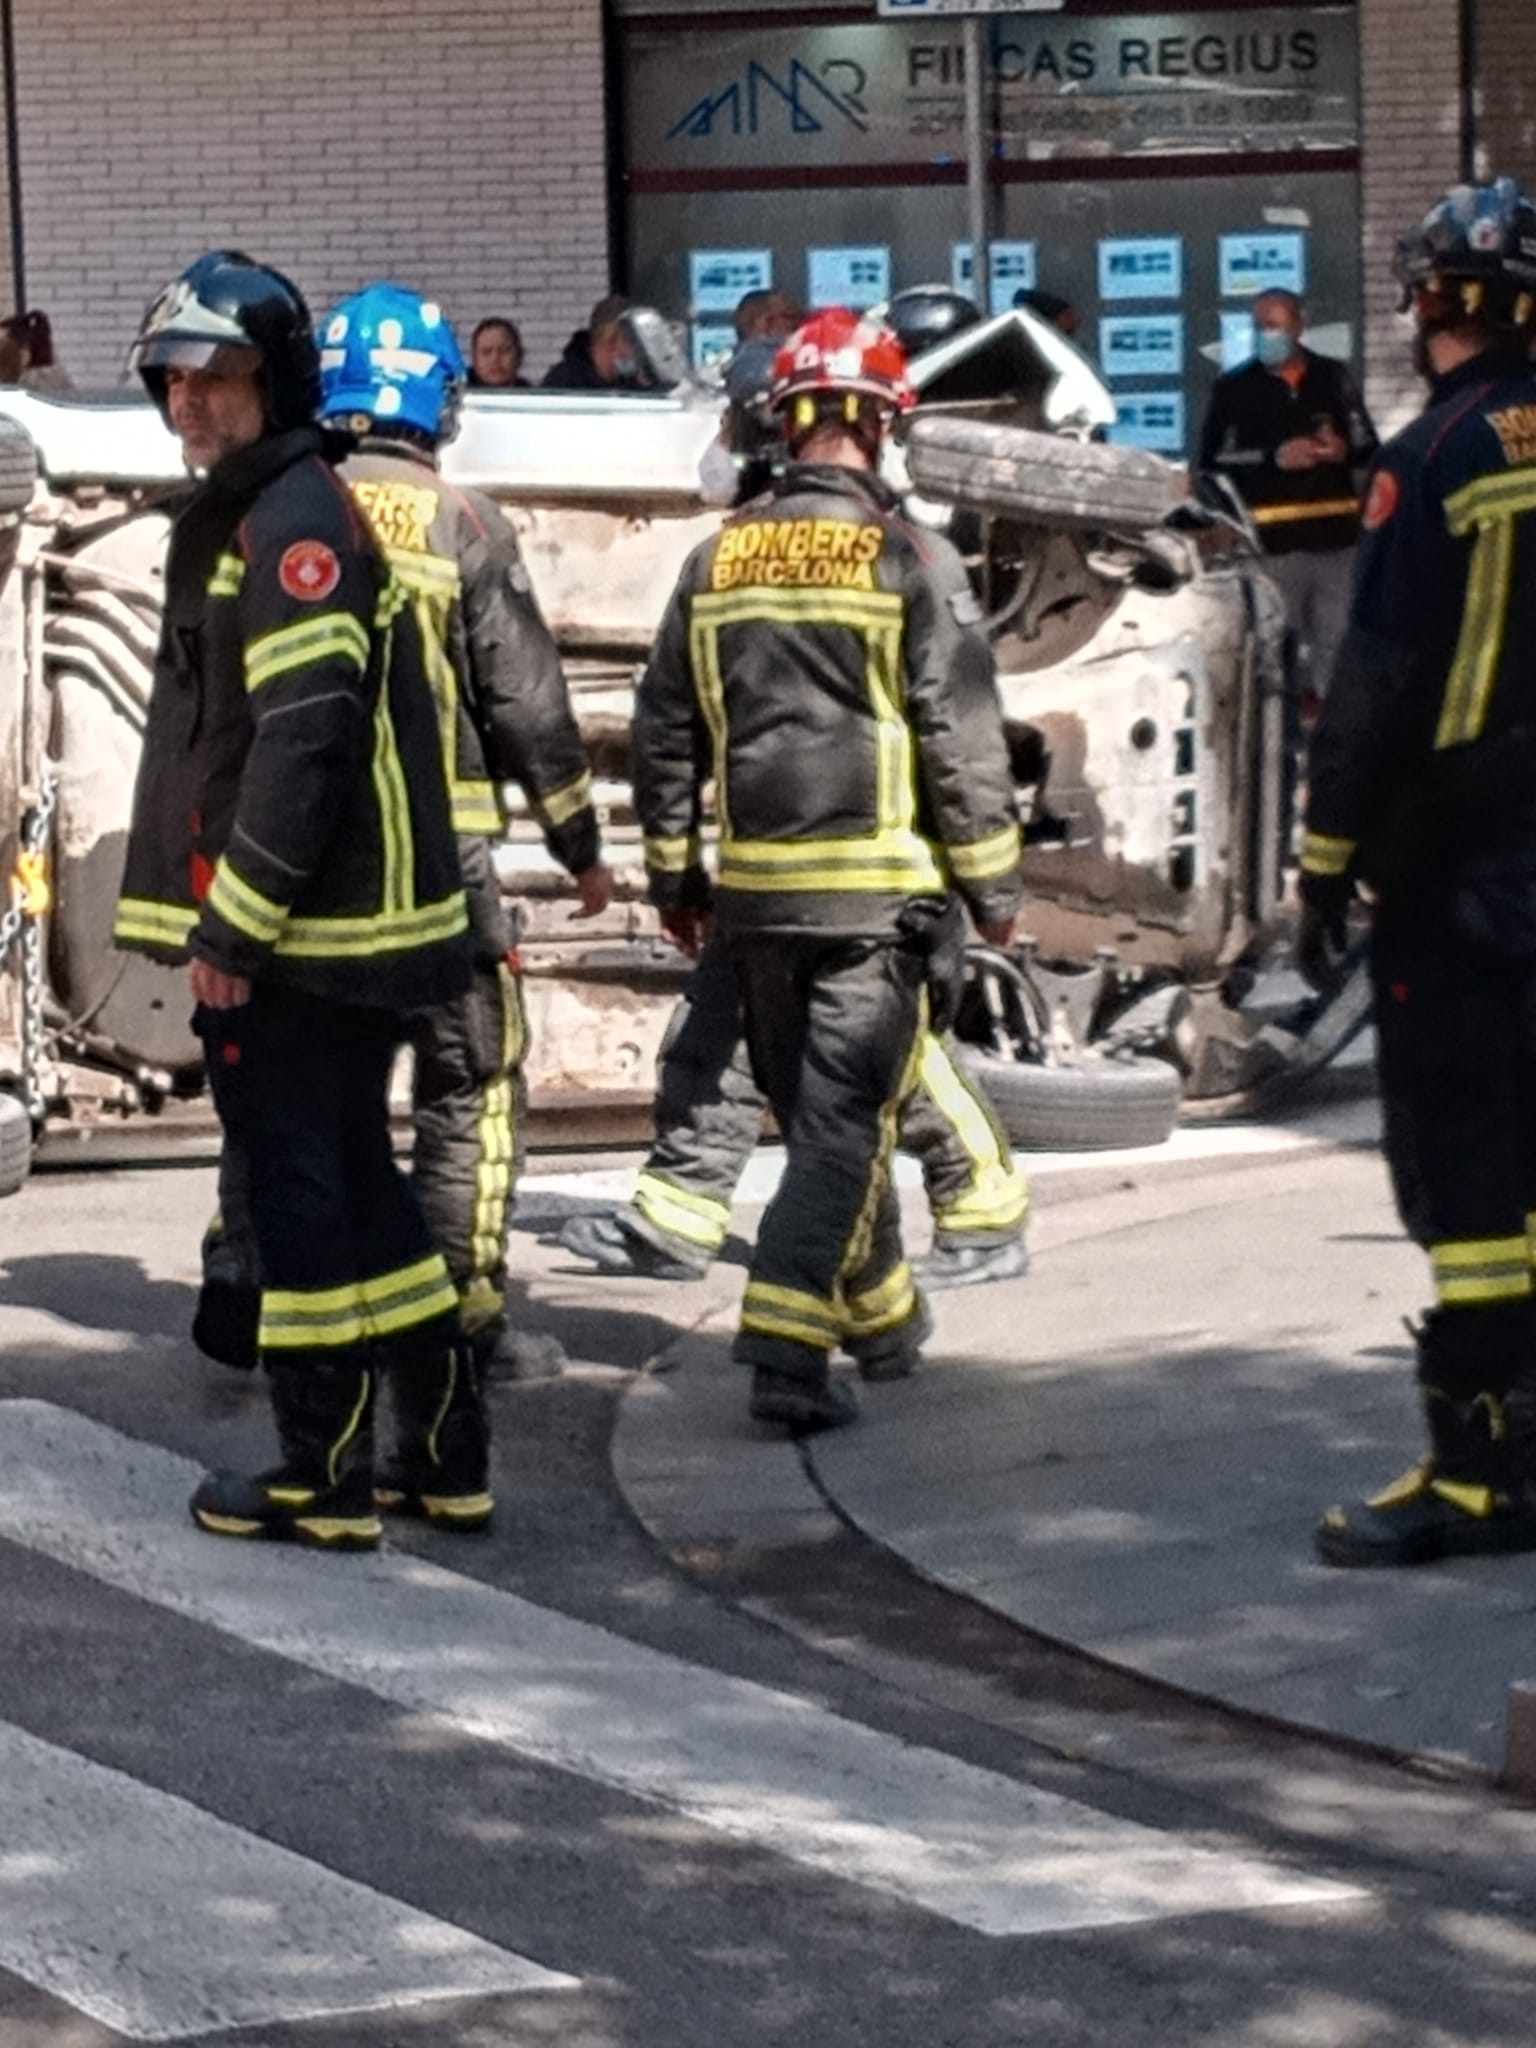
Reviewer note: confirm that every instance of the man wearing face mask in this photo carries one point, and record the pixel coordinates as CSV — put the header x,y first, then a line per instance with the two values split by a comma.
x,y
1290,432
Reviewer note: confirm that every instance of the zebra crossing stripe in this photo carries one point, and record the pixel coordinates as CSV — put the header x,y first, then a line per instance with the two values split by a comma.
x,y
757,1765
160,1920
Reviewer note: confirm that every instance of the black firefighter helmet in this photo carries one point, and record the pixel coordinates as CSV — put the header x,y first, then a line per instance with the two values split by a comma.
x,y
1476,245
226,312
925,314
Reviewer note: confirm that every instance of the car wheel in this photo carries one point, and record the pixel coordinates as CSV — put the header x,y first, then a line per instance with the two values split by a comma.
x,y
1039,477
15,1144
1099,1105
18,466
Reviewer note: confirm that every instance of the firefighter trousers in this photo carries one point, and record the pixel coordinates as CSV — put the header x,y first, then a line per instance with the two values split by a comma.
x,y
1454,969
467,1109
348,1270
709,1118
834,1027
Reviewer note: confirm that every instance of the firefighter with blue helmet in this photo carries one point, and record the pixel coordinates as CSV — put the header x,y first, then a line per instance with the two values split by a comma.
x,y
392,376
1422,785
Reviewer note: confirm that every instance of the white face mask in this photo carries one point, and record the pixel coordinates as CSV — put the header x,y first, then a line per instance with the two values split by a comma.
x,y
717,474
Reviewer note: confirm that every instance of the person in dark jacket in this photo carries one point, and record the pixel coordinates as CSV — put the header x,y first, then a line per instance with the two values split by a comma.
x,y
1423,785
600,356
1290,433
820,665
493,660
291,839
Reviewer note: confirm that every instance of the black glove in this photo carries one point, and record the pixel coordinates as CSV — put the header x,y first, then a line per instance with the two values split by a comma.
x,y
936,927
1322,940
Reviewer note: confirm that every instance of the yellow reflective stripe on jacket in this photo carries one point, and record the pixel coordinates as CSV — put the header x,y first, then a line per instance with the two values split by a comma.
x,y
228,575
158,924
559,804
355,938
884,862
980,860
1480,645
397,846
243,906
860,609
432,575
672,855
709,689
330,636
1322,855
1288,515
1502,496
1470,1271
475,809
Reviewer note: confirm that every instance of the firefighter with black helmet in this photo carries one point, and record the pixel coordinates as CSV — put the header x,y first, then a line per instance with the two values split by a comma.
x,y
291,841
1423,787
821,664
392,375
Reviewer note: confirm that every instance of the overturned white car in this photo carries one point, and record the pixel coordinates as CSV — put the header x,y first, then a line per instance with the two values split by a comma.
x,y
1138,645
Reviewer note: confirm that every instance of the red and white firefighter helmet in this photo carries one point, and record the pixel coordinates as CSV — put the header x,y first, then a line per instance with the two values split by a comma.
x,y
839,351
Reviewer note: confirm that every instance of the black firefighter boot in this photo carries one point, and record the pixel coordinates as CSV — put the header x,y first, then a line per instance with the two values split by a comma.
x,y
441,1466
322,1493
1475,1494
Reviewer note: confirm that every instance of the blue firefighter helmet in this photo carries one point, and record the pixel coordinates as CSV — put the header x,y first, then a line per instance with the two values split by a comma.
x,y
389,357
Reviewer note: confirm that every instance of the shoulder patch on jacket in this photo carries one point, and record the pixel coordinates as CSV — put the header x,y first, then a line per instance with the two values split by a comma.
x,y
309,571
1382,501
966,606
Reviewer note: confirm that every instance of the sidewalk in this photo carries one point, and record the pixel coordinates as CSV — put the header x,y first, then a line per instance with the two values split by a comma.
x,y
1127,1450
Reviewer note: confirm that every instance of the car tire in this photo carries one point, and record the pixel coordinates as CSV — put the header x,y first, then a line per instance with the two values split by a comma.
x,y
1099,1105
1041,478
15,1144
18,466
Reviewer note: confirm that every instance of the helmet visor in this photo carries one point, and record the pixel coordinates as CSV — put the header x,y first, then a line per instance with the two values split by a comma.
x,y
190,352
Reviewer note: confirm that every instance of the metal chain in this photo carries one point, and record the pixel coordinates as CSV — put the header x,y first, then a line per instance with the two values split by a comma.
x,y
30,897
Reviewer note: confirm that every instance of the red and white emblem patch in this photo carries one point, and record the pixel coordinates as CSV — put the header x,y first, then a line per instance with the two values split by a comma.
x,y
309,571
1382,502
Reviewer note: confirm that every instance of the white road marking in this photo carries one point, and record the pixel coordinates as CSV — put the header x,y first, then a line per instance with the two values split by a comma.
x,y
757,1765
160,1920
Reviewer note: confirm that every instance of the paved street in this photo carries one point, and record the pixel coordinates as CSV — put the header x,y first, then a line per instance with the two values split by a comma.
x,y
715,1741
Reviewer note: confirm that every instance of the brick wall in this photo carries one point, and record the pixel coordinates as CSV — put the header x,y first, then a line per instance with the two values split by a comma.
x,y
1506,70
455,145
1410,146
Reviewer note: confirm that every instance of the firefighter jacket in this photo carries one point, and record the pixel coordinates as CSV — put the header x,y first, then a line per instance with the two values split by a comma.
x,y
290,819
1252,411
823,662
506,715
1423,763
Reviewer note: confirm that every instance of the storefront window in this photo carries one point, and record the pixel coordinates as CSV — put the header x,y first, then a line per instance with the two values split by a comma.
x,y
1154,170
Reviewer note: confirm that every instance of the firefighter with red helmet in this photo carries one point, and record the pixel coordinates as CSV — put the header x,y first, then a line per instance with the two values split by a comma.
x,y
821,664
1422,784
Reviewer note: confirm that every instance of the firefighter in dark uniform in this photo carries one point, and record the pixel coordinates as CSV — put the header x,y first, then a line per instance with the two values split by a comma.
x,y
291,838
709,1118
820,663
1423,786
391,372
